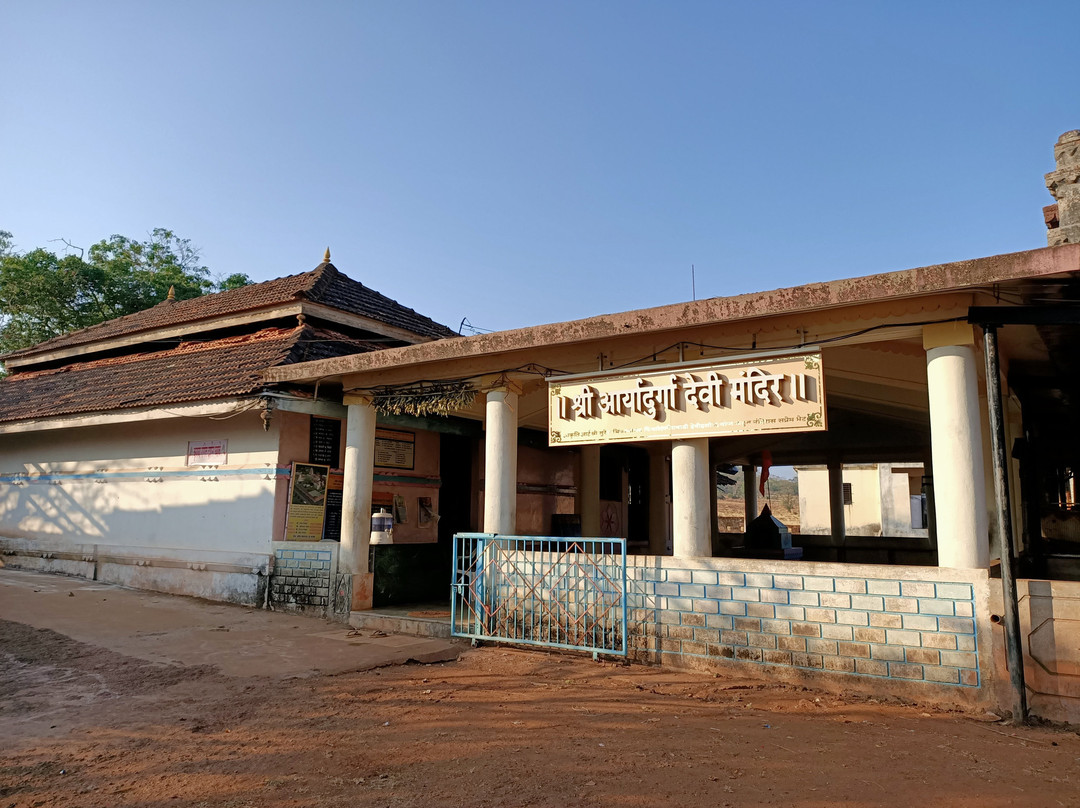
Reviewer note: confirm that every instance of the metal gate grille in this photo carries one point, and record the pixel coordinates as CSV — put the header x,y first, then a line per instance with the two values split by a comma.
x,y
554,592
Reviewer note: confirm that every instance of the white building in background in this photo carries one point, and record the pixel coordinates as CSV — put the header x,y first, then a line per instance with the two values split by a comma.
x,y
880,499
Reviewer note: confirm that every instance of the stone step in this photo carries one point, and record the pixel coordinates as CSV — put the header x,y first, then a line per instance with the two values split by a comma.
x,y
395,623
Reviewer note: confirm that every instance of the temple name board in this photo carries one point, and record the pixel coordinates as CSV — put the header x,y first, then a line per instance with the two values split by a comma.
x,y
769,394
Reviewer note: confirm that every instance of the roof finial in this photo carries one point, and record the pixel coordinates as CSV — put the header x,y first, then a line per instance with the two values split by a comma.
x,y
172,293
326,256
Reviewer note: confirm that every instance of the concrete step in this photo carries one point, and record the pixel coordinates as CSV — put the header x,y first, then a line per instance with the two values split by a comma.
x,y
397,623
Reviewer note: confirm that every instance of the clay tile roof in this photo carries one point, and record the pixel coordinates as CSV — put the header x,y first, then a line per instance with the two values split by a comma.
x,y
192,371
325,284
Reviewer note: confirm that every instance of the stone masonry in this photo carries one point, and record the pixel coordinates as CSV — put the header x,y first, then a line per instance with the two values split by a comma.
x,y
1064,185
301,578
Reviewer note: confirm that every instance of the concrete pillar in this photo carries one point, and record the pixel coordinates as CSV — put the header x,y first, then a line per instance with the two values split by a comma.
x,y
500,462
895,502
589,491
714,521
659,486
931,505
750,494
836,502
691,526
956,446
356,499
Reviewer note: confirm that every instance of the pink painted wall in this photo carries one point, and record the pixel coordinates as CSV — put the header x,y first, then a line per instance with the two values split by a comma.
x,y
293,446
553,469
293,434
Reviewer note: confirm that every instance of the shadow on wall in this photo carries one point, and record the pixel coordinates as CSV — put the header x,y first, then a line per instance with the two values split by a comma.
x,y
1050,622
185,513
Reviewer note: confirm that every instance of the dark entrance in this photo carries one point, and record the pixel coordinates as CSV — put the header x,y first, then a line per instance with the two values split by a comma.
x,y
420,573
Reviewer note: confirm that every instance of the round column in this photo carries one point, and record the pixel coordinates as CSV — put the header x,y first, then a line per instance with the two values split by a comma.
x,y
957,451
356,495
692,527
500,463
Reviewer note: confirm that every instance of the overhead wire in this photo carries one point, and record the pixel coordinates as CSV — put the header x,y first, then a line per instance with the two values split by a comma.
x,y
548,372
793,346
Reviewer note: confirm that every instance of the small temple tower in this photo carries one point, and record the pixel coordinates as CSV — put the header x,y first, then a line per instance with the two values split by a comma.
x,y
1063,219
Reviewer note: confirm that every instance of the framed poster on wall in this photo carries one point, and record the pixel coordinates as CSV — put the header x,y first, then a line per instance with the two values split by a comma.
x,y
307,502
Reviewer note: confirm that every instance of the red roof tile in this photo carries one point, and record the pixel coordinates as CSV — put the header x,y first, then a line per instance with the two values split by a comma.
x,y
325,284
193,371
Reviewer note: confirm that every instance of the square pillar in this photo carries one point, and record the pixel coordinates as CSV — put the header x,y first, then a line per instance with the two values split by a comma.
x,y
659,485
750,495
589,490
837,522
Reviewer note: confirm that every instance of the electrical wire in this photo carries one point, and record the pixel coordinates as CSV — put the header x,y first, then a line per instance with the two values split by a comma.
x,y
417,388
224,417
794,346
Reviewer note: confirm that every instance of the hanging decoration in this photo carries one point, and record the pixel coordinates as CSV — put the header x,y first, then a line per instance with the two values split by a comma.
x,y
425,398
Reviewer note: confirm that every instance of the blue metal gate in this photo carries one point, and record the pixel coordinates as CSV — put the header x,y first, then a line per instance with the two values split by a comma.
x,y
553,592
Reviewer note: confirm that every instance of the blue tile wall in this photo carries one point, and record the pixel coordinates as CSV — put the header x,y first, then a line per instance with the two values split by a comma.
x,y
878,627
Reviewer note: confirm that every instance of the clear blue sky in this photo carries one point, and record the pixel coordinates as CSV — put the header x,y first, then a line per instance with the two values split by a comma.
x,y
527,162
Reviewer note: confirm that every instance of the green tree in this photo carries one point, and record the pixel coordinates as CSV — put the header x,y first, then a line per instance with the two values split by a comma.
x,y
43,294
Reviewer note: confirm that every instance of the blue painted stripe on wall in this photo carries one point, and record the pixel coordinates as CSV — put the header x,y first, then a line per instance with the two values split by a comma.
x,y
127,475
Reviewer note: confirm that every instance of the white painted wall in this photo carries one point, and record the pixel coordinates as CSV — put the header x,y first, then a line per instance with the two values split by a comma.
x,y
880,500
232,514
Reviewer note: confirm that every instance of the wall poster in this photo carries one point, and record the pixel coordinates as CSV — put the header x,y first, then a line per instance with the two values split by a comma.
x,y
401,510
425,512
307,502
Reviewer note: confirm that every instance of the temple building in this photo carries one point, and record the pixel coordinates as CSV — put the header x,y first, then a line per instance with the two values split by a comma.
x,y
955,380
148,451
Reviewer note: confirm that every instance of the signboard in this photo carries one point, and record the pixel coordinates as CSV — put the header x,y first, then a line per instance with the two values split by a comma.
x,y
207,452
324,443
394,449
766,394
307,502
335,490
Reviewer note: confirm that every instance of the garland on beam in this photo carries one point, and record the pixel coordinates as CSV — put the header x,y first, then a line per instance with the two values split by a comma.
x,y
425,398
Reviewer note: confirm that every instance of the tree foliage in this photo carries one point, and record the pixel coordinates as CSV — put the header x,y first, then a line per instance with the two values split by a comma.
x,y
43,294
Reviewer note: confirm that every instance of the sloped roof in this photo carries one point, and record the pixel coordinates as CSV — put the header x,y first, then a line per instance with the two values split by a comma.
x,y
325,285
192,371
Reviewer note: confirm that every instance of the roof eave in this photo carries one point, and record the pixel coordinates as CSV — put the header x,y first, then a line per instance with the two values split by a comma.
x,y
935,279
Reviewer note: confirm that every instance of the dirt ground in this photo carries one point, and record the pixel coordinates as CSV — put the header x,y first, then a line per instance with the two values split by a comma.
x,y
81,725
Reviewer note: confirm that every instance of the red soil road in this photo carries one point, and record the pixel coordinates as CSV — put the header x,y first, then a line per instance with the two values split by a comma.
x,y
83,725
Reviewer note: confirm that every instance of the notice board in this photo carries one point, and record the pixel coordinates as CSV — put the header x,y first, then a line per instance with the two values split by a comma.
x,y
324,444
395,449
